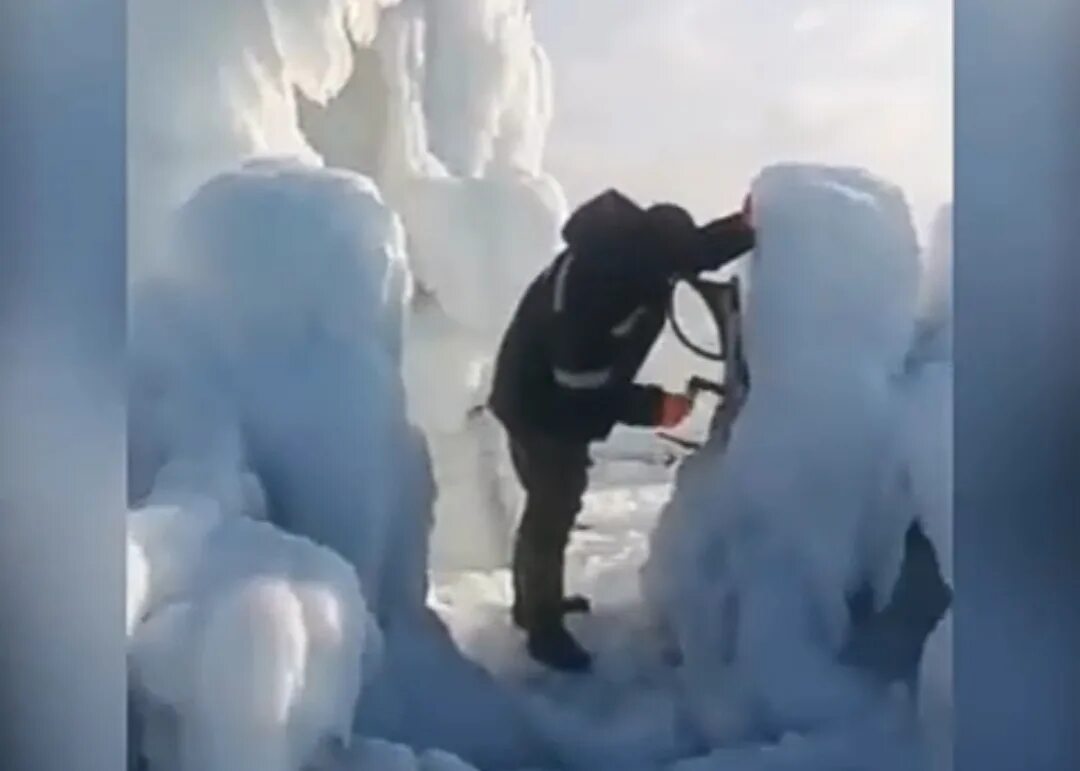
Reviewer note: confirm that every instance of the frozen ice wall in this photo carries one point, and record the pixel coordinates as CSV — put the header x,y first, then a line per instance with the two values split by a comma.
x,y
268,309
460,91
265,384
249,646
488,89
214,82
445,105
927,470
275,346
935,324
472,90
755,556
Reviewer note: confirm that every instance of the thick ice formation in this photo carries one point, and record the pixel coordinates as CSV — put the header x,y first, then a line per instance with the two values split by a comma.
x,y
214,83
928,463
450,110
755,557
266,384
461,96
274,348
482,215
266,330
264,369
249,648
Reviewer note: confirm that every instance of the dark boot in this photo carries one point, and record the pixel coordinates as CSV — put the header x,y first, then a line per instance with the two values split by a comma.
x,y
551,645
541,614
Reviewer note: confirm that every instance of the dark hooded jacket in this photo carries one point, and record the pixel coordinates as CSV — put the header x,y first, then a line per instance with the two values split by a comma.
x,y
585,326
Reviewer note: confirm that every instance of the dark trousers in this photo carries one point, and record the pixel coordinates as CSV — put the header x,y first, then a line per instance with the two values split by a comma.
x,y
554,474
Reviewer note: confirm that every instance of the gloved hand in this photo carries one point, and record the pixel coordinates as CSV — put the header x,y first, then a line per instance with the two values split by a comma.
x,y
674,408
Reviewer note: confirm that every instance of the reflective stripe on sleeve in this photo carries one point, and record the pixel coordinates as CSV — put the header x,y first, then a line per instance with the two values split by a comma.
x,y
588,380
560,282
623,328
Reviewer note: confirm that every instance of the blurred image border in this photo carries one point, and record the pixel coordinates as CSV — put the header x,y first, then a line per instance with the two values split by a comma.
x,y
1017,385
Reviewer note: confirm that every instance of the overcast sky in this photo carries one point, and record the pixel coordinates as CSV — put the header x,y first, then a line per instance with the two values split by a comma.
x,y
686,100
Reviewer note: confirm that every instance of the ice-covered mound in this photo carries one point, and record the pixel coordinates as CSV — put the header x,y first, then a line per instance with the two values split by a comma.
x,y
213,83
266,384
453,102
272,349
448,112
762,544
266,319
249,645
468,103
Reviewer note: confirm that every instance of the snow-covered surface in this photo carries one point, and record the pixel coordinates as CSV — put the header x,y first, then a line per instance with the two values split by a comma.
x,y
635,710
628,714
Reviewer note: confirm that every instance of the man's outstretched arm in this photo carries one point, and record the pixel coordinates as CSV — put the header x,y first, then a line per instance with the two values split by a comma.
x,y
723,241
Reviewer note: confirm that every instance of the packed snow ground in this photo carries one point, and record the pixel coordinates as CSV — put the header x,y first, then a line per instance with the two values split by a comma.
x,y
626,714
632,712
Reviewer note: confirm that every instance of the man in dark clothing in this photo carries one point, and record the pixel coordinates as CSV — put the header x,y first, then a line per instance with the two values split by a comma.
x,y
565,376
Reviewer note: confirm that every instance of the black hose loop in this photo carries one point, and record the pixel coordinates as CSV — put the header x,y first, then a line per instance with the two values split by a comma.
x,y
680,333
